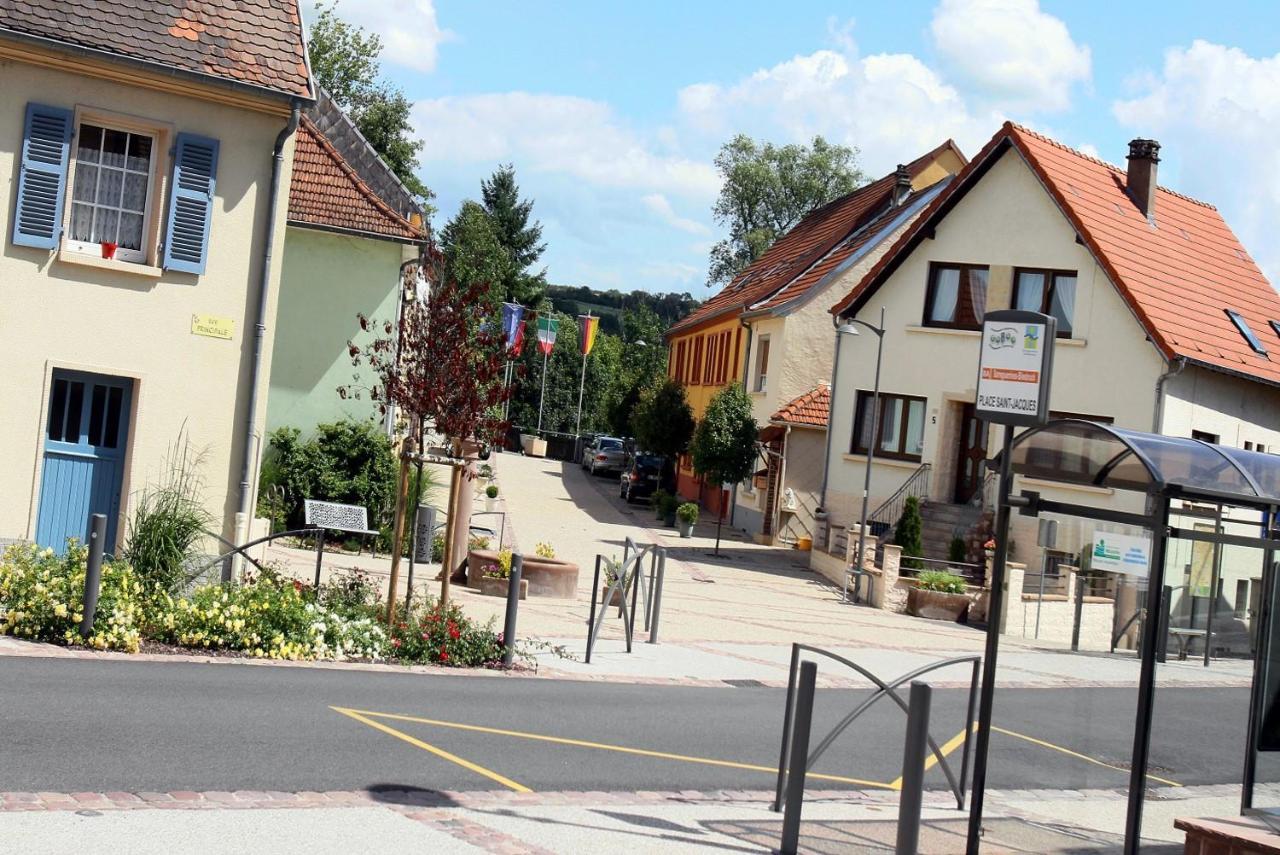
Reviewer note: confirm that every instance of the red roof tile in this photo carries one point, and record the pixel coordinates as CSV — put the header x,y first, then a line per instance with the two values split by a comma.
x,y
812,409
1178,275
255,42
327,192
808,241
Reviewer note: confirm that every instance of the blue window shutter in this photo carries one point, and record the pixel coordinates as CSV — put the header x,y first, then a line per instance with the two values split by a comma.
x,y
42,180
195,165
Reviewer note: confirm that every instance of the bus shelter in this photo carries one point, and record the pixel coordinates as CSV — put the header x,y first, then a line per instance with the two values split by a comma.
x,y
1177,484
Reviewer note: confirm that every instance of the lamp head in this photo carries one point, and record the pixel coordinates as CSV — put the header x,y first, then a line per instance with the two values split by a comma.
x,y
848,328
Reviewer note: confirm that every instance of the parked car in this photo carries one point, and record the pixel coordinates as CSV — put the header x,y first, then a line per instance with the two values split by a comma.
x,y
604,454
641,477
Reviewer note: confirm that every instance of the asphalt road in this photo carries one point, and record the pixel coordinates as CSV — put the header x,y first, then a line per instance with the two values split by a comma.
x,y
75,725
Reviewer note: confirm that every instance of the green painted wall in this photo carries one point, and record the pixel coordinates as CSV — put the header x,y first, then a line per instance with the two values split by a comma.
x,y
327,280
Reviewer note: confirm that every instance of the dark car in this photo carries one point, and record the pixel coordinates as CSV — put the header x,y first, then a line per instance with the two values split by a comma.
x,y
641,477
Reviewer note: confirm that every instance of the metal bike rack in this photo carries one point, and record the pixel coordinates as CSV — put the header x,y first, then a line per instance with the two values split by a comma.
x,y
318,533
634,586
883,690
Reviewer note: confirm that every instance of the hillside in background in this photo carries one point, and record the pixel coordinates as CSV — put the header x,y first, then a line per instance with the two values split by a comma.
x,y
609,305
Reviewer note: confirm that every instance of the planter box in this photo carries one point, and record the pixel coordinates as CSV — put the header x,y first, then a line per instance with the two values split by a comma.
x,y
499,587
477,560
686,529
936,605
550,577
533,446
604,592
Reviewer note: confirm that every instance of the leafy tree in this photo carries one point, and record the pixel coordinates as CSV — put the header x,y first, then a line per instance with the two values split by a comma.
x,y
663,423
520,238
768,189
643,363
724,443
473,252
344,60
909,533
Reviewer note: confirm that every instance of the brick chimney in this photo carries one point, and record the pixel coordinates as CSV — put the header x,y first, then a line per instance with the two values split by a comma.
x,y
901,186
1141,181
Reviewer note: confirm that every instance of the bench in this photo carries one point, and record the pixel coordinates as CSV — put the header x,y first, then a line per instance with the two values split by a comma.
x,y
1184,636
333,516
1241,835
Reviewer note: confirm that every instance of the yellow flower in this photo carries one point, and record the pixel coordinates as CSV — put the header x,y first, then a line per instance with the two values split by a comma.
x,y
60,610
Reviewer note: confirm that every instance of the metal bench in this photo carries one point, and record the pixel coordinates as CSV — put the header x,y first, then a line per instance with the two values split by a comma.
x,y
1184,636
333,516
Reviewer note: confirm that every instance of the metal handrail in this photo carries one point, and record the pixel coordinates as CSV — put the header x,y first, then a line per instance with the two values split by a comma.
x,y
883,689
298,532
917,484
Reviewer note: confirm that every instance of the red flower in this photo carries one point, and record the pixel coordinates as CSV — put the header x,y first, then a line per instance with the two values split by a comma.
x,y
297,586
395,642
444,655
453,633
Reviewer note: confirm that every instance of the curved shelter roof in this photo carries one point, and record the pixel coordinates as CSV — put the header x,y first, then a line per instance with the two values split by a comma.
x,y
1074,451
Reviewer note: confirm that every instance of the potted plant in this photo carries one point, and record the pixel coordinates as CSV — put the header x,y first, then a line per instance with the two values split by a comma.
x,y
490,497
109,249
612,567
495,579
669,506
548,575
939,595
687,514
659,497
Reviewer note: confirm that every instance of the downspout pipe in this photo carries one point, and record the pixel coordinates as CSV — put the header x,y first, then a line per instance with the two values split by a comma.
x,y
746,362
1158,415
831,409
252,448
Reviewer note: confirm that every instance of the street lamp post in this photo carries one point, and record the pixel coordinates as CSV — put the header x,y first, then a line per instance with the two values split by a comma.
x,y
850,327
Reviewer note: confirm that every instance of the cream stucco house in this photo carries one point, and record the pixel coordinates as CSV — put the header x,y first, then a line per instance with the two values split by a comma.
x,y
354,234
144,156
1166,324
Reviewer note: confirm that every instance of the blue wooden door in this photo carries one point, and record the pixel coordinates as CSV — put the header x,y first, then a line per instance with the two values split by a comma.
x,y
84,446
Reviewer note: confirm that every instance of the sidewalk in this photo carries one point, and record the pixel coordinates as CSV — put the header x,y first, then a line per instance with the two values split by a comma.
x,y
1028,821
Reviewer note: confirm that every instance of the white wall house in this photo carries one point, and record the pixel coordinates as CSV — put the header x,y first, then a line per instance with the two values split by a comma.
x,y
1165,324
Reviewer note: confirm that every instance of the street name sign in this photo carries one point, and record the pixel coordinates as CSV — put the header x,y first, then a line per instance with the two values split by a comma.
x,y
1015,367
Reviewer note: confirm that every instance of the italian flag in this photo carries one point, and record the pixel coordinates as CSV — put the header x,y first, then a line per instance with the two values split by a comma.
x,y
547,334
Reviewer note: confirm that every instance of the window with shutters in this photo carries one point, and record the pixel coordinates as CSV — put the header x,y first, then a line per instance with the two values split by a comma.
x,y
112,206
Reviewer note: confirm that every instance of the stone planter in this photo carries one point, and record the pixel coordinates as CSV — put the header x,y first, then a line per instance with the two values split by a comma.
x,y
937,605
550,577
686,529
490,505
491,587
477,560
533,446
604,592
669,519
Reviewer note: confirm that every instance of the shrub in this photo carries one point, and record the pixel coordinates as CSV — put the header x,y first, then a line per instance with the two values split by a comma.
x,y
348,462
477,541
669,505
491,491
545,550
42,598
437,548
485,471
688,513
169,523
908,534
940,580
350,593
445,636
957,552
658,498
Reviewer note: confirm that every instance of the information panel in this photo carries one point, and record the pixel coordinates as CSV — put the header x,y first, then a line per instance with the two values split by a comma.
x,y
1015,367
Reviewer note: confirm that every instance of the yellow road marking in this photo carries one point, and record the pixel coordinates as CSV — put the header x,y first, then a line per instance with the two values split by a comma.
x,y
1076,754
579,743
931,759
452,758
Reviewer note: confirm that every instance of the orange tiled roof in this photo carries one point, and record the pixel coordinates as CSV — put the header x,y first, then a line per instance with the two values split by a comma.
x,y
809,240
255,42
1178,275
812,409
327,192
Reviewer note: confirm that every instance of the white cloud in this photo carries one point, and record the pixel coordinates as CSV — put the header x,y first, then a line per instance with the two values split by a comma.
x,y
1213,109
411,35
555,134
660,205
1012,53
891,106
673,271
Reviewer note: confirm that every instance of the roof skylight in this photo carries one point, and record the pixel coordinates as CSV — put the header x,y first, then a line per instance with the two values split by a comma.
x,y
1246,332
1275,327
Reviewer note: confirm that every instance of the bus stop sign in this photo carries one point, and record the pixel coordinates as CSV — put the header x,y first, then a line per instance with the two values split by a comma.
x,y
1015,367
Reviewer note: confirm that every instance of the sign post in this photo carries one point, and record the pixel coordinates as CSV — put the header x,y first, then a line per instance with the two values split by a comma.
x,y
1015,371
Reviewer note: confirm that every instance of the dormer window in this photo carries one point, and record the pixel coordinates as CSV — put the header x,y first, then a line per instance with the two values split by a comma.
x,y
1243,327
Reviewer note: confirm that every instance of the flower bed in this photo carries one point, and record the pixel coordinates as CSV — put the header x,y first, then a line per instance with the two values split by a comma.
x,y
266,615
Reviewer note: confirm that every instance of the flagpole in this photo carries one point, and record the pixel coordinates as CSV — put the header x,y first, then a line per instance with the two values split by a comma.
x,y
543,395
581,385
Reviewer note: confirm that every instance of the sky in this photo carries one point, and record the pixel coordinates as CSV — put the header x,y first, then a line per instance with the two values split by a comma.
x,y
612,112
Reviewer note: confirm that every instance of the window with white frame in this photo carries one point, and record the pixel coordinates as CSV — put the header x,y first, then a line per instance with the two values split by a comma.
x,y
111,192
762,364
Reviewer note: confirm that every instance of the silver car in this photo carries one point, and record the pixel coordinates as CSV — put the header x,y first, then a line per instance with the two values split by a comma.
x,y
604,454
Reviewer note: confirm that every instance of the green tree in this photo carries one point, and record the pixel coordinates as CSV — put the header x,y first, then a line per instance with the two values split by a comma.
x,y
768,189
909,533
643,363
344,60
663,423
473,251
521,238
724,444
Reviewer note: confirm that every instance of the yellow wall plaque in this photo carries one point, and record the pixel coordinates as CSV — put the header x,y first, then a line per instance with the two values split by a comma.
x,y
212,326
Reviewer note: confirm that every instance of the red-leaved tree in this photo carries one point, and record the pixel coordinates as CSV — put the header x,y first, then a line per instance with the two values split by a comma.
x,y
442,367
